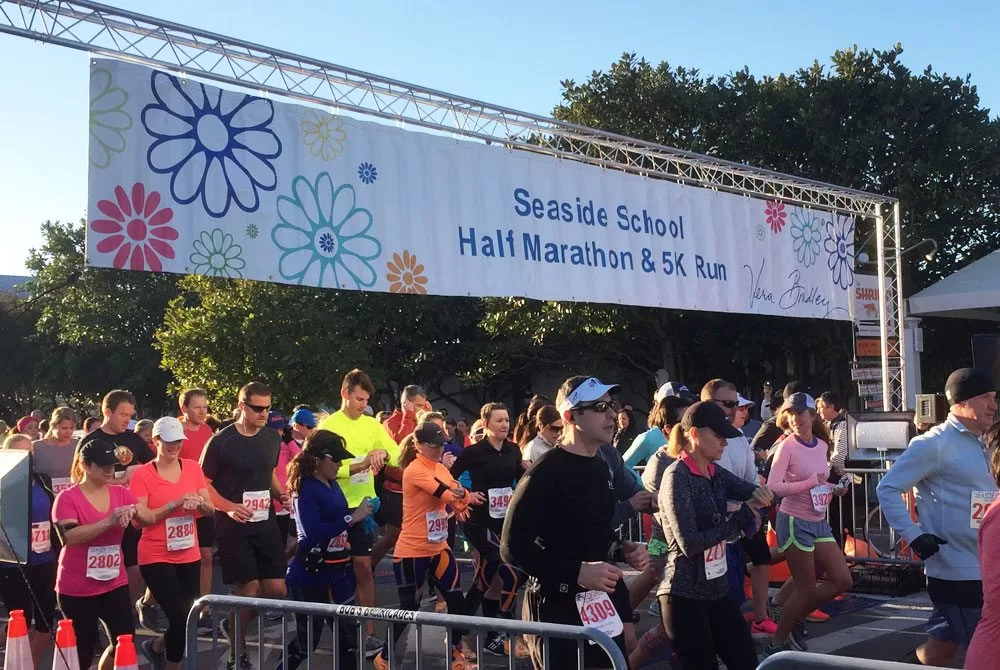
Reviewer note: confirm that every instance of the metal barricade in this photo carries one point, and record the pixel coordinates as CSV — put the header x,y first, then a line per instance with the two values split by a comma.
x,y
858,512
477,627
798,660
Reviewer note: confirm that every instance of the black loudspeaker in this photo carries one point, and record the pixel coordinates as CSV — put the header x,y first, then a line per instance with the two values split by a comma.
x,y
932,408
986,355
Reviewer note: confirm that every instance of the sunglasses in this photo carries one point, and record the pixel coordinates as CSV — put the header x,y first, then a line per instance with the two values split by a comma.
x,y
260,409
556,428
600,407
728,404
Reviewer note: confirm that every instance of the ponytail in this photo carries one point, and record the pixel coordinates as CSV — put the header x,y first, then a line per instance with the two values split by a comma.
x,y
76,469
407,451
679,442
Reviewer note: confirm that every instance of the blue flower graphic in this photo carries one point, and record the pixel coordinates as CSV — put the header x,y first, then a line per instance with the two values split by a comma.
x,y
840,247
324,236
215,144
806,235
367,173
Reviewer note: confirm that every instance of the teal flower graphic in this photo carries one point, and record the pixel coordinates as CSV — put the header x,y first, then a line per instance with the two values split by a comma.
x,y
807,234
252,231
216,254
324,236
108,119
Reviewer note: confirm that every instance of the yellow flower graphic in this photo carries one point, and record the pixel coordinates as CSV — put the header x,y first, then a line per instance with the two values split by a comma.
x,y
323,133
405,274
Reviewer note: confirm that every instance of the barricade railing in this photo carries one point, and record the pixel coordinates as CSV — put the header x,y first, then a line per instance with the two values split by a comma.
x,y
221,605
799,660
872,539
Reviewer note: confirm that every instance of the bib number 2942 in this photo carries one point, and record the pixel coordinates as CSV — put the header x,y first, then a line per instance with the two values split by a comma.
x,y
259,504
981,502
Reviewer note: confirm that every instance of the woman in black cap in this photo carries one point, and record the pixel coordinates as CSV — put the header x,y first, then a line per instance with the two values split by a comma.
x,y
91,583
697,612
320,571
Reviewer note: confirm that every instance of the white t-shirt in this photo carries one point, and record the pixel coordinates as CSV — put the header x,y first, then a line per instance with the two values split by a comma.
x,y
738,458
535,449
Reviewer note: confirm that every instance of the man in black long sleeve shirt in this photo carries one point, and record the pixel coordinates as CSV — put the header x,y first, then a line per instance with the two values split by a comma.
x,y
558,530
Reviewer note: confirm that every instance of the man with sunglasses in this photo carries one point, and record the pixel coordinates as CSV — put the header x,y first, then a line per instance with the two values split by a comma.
x,y
558,529
739,460
239,464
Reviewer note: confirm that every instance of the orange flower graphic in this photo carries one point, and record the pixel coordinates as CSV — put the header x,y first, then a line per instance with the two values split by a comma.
x,y
405,274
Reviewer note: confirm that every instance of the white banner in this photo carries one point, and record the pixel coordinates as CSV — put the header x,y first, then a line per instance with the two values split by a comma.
x,y
190,178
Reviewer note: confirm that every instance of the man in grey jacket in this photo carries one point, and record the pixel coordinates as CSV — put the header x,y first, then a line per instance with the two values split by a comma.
x,y
947,467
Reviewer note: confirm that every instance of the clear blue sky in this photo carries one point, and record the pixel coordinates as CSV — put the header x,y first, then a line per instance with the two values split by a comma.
x,y
514,54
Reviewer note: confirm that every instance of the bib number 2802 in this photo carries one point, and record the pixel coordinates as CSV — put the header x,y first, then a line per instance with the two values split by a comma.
x,y
980,504
104,563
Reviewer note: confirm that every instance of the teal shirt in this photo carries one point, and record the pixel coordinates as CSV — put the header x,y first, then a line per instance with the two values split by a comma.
x,y
644,446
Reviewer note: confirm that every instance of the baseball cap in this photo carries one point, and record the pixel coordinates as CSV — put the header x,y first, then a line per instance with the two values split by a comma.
x,y
303,417
24,422
168,429
99,452
276,420
589,390
799,402
326,443
707,414
430,433
743,402
963,384
672,389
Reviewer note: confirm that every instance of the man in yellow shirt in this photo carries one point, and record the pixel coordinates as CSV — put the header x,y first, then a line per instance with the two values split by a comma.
x,y
373,450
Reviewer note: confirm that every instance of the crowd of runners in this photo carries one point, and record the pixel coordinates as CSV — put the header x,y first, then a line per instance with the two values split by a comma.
x,y
127,522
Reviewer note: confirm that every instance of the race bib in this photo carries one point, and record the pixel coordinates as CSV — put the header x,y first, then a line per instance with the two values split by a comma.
x,y
597,611
715,561
180,533
362,477
60,484
41,537
821,497
104,563
259,504
338,544
437,526
981,502
499,500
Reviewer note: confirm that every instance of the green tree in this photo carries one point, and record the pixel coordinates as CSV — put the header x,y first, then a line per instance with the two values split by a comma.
x,y
866,121
97,324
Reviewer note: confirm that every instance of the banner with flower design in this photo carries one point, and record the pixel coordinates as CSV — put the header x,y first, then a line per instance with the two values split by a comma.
x,y
191,178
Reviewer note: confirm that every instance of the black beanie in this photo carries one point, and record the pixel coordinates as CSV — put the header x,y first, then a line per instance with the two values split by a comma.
x,y
966,383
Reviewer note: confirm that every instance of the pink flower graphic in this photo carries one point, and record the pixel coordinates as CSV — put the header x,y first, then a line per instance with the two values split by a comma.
x,y
774,213
136,229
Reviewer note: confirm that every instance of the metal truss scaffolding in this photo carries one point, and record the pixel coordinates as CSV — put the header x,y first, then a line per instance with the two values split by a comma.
x,y
108,31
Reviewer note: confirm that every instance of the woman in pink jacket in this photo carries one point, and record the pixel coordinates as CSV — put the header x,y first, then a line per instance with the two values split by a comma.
x,y
984,649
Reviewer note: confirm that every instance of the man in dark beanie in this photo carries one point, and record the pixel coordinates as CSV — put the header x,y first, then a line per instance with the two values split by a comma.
x,y
947,467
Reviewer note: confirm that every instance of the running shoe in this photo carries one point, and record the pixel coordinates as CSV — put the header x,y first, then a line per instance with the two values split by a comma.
x,y
272,616
469,650
797,640
224,630
156,661
817,616
373,646
496,646
147,614
654,608
206,623
520,648
243,664
380,662
441,607
763,629
771,650
773,609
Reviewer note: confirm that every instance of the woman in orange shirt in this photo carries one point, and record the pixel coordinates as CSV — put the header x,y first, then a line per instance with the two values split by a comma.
x,y
422,551
175,491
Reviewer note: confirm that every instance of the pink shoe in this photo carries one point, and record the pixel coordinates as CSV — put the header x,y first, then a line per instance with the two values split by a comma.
x,y
763,629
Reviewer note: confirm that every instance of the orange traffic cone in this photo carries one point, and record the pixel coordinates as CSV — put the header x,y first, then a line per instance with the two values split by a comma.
x,y
125,654
65,656
18,653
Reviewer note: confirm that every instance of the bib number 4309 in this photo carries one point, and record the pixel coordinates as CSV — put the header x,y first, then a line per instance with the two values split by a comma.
x,y
597,611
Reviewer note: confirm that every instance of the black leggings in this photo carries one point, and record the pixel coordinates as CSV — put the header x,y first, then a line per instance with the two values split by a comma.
x,y
175,587
442,571
490,565
113,609
702,629
340,592
16,595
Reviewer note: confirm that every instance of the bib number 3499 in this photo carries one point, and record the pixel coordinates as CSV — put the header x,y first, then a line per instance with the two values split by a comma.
x,y
597,611
499,501
981,502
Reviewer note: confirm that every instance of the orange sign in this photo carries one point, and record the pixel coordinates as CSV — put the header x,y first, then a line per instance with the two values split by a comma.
x,y
870,347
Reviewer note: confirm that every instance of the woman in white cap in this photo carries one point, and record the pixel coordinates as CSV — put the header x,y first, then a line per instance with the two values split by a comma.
x,y
799,474
176,493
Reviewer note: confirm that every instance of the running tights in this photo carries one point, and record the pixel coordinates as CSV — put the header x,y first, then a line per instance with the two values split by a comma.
x,y
442,572
175,587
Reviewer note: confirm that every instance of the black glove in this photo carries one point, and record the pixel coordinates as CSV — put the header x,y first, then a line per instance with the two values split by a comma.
x,y
926,545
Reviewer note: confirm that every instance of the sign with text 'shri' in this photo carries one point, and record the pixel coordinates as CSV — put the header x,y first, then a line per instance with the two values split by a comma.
x,y
190,178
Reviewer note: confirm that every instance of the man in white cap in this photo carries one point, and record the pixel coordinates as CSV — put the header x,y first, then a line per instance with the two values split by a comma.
x,y
743,420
